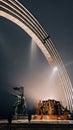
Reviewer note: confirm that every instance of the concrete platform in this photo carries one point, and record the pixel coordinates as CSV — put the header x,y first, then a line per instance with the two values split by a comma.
x,y
38,121
37,125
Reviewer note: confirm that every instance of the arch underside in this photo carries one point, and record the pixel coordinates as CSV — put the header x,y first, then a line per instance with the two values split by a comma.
x,y
17,13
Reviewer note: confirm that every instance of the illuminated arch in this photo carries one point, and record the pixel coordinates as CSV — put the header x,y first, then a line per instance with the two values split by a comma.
x,y
17,13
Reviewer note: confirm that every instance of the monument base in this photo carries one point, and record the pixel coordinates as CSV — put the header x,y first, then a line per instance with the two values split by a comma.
x,y
50,117
16,117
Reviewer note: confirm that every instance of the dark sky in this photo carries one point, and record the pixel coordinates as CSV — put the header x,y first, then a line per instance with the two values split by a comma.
x,y
56,17
19,64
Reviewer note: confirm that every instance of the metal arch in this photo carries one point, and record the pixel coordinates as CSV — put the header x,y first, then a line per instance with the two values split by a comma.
x,y
17,13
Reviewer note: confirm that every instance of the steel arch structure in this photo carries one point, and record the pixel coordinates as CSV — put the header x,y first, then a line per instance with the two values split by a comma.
x,y
17,13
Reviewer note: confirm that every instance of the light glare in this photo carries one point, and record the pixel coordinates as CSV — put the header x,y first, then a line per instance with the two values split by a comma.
x,y
55,69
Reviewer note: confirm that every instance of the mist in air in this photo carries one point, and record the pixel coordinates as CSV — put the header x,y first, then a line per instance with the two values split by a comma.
x,y
23,64
41,84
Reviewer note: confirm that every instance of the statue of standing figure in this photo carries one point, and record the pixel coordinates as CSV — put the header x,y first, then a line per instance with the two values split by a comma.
x,y
20,104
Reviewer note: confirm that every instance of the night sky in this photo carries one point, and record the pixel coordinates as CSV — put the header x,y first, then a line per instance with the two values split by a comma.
x,y
22,64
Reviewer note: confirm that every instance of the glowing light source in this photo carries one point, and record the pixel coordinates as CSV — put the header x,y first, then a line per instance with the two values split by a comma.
x,y
55,69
